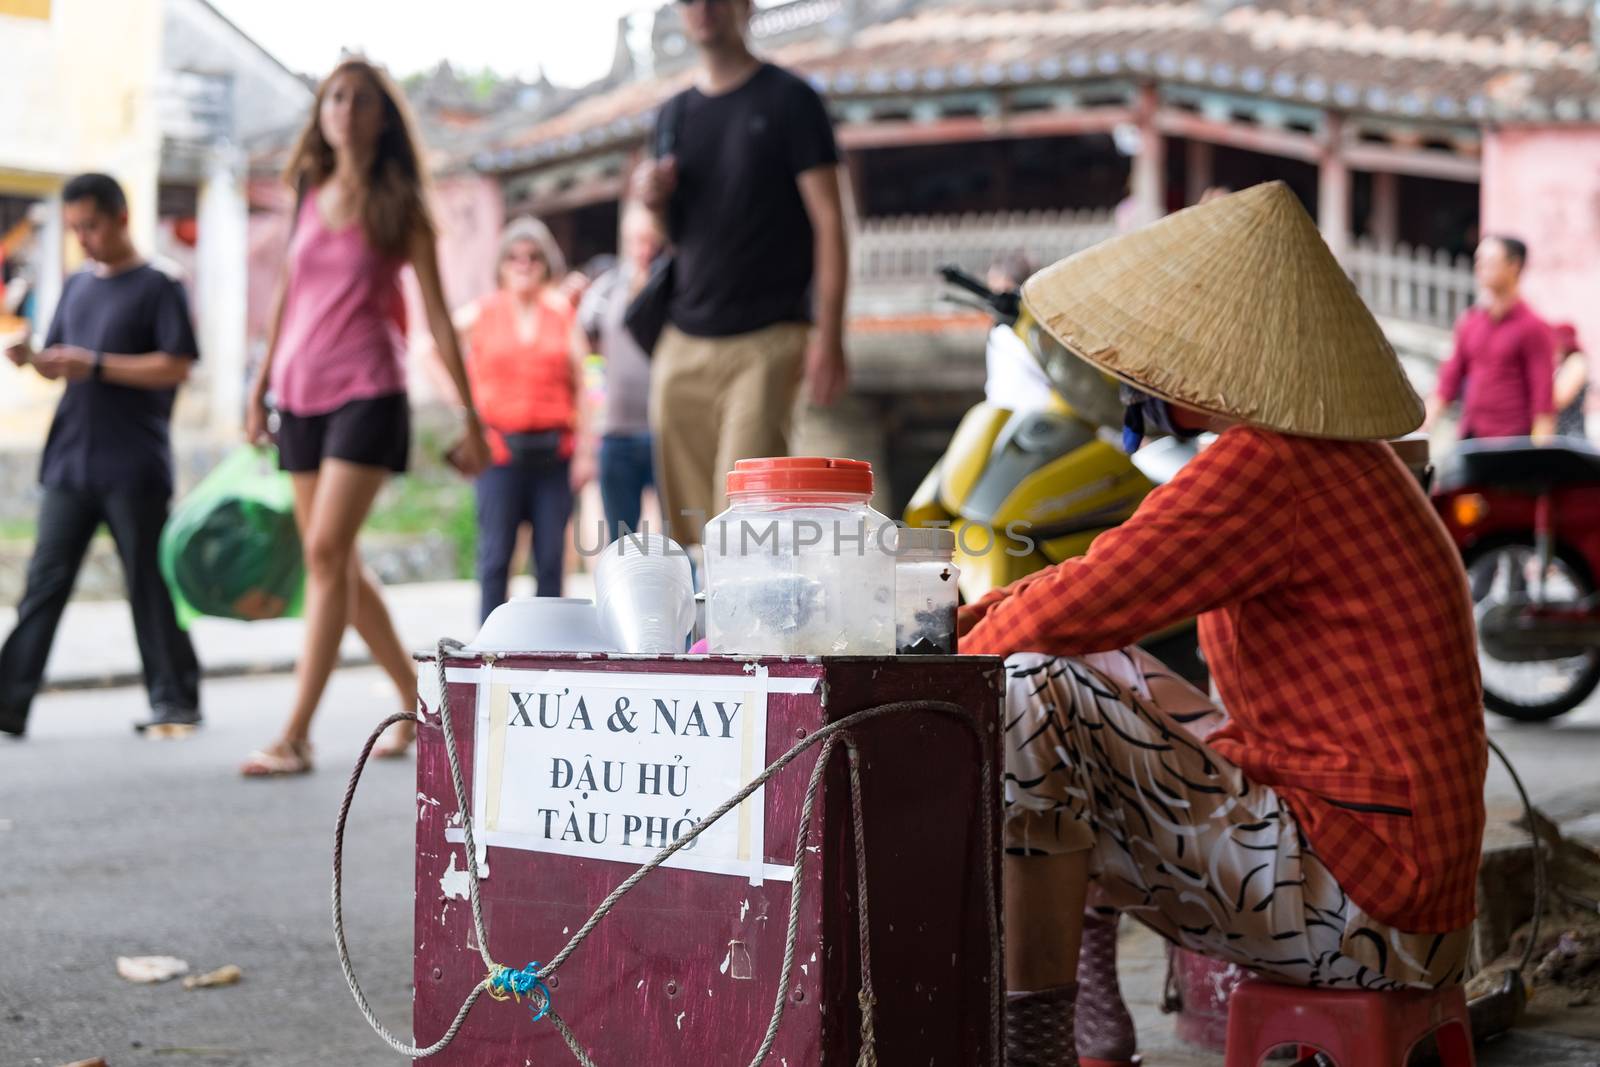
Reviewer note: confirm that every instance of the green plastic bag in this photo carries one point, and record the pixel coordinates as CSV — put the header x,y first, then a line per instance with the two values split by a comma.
x,y
230,548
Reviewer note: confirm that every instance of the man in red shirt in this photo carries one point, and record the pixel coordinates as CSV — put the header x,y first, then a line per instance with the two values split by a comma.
x,y
1327,831
1503,366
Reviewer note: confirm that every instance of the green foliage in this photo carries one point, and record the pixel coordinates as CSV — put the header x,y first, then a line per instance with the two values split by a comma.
x,y
431,498
417,506
17,529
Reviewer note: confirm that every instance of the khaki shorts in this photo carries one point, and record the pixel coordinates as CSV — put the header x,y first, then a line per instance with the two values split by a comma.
x,y
1105,753
713,401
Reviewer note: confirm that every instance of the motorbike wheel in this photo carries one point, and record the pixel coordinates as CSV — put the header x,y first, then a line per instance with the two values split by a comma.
x,y
1540,690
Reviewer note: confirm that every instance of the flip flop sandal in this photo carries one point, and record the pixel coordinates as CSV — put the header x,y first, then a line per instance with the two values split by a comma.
x,y
264,764
390,749
168,731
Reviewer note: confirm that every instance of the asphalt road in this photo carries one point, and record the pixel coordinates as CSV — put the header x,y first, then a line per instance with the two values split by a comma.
x,y
111,846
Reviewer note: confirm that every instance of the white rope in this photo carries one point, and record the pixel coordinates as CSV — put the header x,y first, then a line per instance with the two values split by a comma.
x,y
828,736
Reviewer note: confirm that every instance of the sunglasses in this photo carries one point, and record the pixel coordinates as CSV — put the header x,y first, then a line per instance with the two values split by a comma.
x,y
531,258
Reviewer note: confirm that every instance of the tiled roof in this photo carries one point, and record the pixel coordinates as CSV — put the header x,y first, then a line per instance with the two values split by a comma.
x,y
1443,61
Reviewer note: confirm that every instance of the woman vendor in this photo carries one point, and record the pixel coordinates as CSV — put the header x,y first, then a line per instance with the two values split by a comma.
x,y
1327,830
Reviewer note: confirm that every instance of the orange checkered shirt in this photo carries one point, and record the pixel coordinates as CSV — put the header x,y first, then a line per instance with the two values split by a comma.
x,y
1335,619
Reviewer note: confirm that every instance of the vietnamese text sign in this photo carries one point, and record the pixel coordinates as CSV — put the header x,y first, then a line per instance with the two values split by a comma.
x,y
616,766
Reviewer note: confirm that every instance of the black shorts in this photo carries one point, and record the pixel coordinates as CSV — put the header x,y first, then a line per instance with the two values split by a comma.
x,y
374,433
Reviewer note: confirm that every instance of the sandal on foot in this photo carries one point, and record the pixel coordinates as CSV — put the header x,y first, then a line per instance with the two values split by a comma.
x,y
391,746
281,760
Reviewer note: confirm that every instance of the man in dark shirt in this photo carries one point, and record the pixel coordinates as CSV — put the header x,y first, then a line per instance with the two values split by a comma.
x,y
122,341
749,192
1503,366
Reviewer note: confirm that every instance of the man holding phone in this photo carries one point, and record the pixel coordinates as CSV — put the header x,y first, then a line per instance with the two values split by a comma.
x,y
747,184
122,341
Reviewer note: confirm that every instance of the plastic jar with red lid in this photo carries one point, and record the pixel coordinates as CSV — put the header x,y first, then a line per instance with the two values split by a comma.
x,y
800,563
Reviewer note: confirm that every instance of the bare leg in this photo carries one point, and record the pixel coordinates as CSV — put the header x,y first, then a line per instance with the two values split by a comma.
x,y
340,495
370,616
1044,898
372,621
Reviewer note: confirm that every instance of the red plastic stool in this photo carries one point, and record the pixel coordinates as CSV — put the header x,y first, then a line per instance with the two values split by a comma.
x,y
1354,1029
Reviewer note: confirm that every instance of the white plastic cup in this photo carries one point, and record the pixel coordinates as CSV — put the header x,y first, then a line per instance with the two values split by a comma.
x,y
644,588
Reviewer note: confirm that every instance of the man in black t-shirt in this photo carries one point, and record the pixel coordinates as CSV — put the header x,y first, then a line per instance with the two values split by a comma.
x,y
746,182
122,342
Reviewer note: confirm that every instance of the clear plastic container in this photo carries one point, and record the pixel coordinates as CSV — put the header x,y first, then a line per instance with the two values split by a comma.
x,y
800,563
926,594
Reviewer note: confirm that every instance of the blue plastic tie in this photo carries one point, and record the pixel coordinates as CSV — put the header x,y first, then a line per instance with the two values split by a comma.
x,y
521,984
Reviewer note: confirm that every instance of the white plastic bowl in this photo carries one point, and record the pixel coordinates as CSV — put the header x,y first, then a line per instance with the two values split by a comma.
x,y
543,624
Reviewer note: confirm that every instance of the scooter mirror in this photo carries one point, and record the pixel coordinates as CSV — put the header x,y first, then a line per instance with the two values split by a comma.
x,y
1089,392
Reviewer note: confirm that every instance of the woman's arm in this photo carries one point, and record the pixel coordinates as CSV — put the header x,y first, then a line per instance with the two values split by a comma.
x,y
255,412
464,318
583,456
1220,532
473,452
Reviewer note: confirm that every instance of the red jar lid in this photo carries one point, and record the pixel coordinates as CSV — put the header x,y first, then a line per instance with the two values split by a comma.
x,y
801,474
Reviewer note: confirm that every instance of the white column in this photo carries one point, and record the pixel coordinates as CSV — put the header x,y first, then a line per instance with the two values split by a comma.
x,y
52,263
1333,189
221,269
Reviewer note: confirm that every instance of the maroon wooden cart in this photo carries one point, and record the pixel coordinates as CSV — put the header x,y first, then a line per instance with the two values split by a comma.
x,y
685,970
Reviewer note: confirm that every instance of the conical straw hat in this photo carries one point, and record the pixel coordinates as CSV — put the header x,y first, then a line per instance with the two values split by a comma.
x,y
1236,308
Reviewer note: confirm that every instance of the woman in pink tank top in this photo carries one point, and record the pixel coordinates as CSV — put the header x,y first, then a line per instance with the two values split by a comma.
x,y
335,373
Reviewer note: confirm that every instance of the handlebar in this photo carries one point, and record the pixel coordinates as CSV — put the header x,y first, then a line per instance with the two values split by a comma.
x,y
1006,306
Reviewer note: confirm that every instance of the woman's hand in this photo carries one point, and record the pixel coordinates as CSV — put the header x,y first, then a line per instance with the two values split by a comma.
x,y
471,454
255,420
583,467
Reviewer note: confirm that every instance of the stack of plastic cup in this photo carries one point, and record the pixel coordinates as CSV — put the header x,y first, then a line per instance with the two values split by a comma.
x,y
644,589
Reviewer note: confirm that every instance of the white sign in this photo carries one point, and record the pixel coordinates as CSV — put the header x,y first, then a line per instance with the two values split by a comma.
x,y
616,766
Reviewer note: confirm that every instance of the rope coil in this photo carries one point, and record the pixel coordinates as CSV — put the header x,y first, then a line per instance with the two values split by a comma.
x,y
531,981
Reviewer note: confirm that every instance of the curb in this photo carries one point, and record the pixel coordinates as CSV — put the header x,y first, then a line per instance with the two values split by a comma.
x,y
129,679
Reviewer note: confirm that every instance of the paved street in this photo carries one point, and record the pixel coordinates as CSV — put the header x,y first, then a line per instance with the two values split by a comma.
x,y
114,846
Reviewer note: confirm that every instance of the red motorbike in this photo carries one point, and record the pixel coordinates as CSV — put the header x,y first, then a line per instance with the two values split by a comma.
x,y
1526,517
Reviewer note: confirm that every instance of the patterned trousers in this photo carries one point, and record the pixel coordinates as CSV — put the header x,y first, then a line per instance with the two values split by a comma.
x,y
1106,753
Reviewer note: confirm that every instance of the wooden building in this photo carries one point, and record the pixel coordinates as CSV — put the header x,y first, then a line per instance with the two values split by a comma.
x,y
973,127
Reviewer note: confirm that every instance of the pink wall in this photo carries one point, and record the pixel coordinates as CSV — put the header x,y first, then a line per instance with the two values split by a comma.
x,y
469,211
1543,185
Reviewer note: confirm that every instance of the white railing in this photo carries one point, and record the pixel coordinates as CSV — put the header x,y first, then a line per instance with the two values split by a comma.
x,y
795,15
1416,285
895,262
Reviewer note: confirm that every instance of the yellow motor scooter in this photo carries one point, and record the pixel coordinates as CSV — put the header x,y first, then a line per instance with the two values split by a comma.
x,y
1023,490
